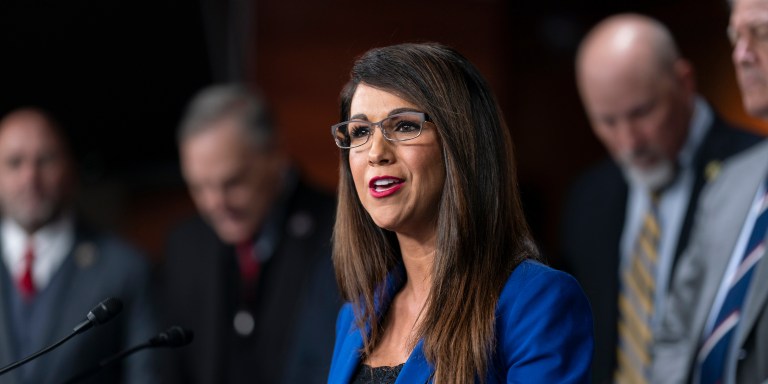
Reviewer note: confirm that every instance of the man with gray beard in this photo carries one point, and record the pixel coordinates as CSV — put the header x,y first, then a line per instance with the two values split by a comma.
x,y
628,218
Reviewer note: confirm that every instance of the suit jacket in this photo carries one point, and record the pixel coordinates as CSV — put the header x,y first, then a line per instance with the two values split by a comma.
x,y
98,266
723,210
543,332
592,225
295,308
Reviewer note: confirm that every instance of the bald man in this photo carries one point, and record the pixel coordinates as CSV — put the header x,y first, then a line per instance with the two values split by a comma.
x,y
55,269
665,143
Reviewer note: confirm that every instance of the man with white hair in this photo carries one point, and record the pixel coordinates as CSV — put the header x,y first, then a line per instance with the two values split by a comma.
x,y
628,218
716,328
251,275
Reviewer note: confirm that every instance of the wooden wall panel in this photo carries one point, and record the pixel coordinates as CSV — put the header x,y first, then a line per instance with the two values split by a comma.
x,y
302,54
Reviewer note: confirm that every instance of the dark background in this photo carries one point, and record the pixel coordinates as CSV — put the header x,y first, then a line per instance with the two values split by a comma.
x,y
118,74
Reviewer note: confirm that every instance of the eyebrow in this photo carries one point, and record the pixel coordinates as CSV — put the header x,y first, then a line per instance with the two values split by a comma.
x,y
363,116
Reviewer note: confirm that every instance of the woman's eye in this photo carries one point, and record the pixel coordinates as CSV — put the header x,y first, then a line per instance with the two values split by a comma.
x,y
357,131
407,126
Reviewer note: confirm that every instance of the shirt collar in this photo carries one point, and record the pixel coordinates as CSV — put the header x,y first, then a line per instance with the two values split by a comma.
x,y
51,245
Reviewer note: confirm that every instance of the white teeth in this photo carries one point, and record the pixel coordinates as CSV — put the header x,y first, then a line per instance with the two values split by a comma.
x,y
383,182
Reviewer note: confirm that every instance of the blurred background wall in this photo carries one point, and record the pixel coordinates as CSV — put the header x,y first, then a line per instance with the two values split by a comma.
x,y
118,73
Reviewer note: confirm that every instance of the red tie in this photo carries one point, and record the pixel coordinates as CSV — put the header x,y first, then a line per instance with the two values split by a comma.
x,y
249,267
26,284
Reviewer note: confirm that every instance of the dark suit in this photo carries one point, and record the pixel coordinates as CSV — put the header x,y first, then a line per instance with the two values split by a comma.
x,y
592,226
97,267
295,307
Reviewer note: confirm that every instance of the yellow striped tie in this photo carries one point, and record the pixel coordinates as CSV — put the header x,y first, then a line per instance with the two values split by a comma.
x,y
636,304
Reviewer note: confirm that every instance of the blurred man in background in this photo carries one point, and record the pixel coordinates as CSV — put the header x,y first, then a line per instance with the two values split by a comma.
x,y
627,219
55,268
252,275
716,327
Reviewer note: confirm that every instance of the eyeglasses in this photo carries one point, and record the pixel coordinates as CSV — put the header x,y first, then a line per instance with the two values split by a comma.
x,y
399,127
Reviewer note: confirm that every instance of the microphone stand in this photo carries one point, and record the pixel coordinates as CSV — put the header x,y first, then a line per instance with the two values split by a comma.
x,y
100,314
38,353
106,362
174,337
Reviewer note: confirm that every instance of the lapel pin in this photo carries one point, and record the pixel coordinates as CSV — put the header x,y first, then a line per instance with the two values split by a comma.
x,y
85,254
712,170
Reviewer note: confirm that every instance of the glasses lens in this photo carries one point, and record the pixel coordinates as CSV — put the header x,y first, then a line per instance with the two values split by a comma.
x,y
400,127
403,126
352,133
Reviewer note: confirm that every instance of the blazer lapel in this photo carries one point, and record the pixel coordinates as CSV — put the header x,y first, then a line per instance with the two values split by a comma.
x,y
350,358
7,355
734,200
64,300
754,303
722,211
728,207
416,369
758,292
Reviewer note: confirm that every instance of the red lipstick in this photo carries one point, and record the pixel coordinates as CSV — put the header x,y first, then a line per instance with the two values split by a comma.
x,y
383,186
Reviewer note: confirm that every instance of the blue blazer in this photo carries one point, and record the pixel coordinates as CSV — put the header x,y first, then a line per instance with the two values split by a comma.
x,y
543,330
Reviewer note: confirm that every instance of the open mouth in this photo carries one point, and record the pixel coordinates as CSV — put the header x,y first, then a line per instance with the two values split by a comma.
x,y
384,185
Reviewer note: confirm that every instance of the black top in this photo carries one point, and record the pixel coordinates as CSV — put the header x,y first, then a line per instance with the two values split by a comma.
x,y
378,375
296,299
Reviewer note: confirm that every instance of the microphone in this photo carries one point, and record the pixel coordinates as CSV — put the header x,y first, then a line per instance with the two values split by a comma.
x,y
100,314
172,337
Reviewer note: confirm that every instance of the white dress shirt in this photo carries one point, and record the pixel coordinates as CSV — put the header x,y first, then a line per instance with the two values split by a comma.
x,y
51,245
673,203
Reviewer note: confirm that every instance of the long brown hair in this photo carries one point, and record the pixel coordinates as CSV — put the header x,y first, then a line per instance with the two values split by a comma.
x,y
482,234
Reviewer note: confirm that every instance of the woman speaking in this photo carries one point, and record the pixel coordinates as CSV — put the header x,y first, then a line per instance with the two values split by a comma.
x,y
431,248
